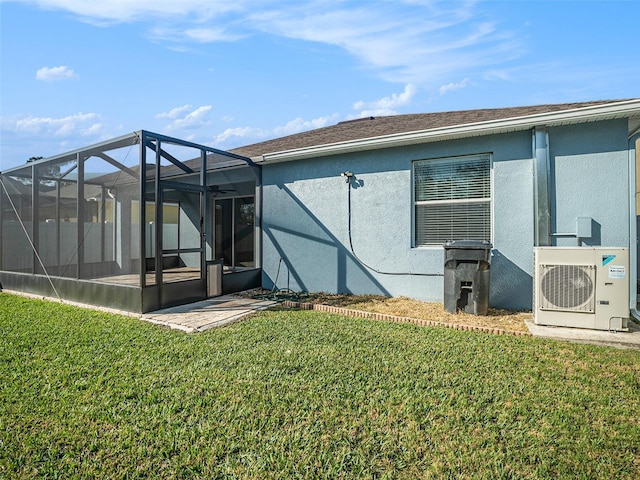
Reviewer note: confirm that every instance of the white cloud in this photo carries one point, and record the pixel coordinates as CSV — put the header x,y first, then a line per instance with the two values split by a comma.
x,y
193,35
504,75
209,35
174,112
95,129
420,42
238,132
298,125
195,119
61,127
453,86
66,129
133,10
377,112
386,105
232,137
55,73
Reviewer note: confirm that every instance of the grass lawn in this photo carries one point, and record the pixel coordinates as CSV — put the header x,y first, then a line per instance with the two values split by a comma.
x,y
291,394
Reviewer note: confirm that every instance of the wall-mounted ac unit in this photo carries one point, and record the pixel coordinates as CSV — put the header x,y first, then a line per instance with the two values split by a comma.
x,y
582,287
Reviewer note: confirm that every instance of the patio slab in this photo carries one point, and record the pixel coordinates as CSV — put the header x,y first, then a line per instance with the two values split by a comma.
x,y
207,314
630,339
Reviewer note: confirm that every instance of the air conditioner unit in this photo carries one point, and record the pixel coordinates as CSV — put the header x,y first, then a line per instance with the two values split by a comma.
x,y
582,287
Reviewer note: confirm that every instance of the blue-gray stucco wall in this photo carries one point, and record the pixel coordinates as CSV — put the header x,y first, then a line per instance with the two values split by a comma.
x,y
305,213
590,178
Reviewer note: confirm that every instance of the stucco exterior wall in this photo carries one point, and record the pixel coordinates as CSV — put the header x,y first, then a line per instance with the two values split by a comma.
x,y
590,177
305,213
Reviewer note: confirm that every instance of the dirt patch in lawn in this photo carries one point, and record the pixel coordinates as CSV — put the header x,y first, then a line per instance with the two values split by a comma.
x,y
408,307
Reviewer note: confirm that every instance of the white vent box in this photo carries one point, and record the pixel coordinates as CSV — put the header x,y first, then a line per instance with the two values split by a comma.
x,y
582,287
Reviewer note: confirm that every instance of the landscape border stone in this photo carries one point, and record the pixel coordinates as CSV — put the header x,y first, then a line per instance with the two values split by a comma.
x,y
398,319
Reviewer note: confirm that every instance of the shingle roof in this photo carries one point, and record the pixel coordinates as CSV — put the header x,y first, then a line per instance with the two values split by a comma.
x,y
371,127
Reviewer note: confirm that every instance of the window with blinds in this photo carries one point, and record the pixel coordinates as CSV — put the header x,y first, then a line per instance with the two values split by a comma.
x,y
452,199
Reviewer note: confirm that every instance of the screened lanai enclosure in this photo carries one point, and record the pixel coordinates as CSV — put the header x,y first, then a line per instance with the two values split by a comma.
x,y
137,223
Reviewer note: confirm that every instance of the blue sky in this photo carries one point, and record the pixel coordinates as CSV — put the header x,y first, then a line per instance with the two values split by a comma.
x,y
230,73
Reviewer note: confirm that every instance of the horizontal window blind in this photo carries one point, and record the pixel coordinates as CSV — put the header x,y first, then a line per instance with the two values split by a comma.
x,y
437,224
452,200
452,179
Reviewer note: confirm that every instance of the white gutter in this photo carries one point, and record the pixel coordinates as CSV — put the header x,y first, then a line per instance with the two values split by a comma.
x,y
580,115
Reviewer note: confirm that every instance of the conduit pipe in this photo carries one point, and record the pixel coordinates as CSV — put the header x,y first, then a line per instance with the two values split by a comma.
x,y
542,225
350,177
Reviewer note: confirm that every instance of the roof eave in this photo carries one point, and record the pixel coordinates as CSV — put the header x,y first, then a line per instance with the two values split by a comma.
x,y
595,113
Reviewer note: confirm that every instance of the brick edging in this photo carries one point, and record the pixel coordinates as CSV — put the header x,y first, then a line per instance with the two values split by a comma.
x,y
396,319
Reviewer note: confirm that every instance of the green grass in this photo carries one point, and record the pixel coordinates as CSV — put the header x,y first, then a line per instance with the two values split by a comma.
x,y
304,394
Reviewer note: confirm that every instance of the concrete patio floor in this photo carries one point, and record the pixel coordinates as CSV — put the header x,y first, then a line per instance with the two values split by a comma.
x,y
630,339
206,314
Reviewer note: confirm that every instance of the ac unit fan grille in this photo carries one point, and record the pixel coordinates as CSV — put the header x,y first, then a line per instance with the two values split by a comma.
x,y
568,288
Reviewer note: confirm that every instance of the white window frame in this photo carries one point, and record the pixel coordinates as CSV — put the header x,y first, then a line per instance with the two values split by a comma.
x,y
415,204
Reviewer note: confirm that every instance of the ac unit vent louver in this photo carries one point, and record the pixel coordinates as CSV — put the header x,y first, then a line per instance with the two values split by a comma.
x,y
568,288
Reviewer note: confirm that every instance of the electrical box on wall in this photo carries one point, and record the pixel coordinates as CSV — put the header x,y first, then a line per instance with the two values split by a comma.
x,y
583,287
583,227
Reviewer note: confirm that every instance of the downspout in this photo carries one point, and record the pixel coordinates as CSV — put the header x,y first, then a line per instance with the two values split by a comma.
x,y
542,215
634,139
